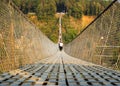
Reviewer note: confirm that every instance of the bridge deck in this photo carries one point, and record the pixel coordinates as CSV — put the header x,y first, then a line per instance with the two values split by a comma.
x,y
61,70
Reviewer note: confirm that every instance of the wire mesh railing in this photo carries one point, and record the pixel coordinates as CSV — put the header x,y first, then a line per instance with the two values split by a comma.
x,y
21,42
99,42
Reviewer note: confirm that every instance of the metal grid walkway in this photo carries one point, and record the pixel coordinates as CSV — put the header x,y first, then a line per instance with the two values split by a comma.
x,y
61,70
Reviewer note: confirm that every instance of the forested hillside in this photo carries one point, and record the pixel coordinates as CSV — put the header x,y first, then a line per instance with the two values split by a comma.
x,y
78,13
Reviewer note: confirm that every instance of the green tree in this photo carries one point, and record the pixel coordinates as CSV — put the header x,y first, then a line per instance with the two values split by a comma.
x,y
46,9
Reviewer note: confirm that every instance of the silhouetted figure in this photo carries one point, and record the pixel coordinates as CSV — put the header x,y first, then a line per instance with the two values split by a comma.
x,y
60,46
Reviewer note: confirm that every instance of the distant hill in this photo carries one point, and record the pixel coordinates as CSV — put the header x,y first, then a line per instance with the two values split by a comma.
x,y
79,13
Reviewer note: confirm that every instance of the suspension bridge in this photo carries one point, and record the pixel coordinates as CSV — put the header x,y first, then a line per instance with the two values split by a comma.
x,y
29,58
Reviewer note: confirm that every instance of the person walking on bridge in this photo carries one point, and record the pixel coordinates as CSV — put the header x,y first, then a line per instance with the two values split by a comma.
x,y
60,46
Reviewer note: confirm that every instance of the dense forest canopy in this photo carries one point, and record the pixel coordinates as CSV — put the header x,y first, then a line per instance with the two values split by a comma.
x,y
50,7
46,20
